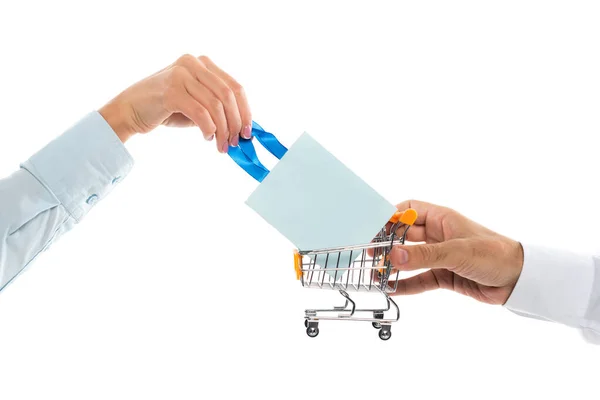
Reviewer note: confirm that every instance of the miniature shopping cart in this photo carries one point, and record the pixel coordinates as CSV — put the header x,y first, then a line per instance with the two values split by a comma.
x,y
365,267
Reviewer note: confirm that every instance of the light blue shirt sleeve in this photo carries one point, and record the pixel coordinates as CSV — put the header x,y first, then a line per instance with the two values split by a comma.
x,y
55,189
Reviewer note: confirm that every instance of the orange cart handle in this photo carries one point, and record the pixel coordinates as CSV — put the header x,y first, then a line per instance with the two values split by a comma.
x,y
407,217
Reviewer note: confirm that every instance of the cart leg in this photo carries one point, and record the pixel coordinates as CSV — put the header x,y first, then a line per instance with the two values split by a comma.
x,y
377,315
348,299
390,300
341,308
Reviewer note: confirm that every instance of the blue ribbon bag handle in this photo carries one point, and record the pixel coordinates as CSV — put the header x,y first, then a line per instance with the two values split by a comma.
x,y
245,155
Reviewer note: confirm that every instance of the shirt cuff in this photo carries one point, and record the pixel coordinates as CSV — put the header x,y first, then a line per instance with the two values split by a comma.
x,y
554,285
82,165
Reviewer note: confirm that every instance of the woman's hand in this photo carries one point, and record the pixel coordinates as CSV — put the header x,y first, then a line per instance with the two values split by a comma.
x,y
462,256
190,92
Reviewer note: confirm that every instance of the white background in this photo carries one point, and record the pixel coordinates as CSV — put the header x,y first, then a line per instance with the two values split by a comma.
x,y
173,289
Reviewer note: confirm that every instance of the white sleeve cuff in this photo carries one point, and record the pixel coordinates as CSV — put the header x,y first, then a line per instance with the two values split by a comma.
x,y
82,165
554,285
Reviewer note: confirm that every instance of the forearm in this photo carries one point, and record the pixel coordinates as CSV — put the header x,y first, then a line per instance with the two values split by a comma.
x,y
559,286
55,189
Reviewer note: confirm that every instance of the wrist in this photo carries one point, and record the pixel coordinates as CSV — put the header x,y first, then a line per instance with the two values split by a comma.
x,y
517,258
118,115
515,264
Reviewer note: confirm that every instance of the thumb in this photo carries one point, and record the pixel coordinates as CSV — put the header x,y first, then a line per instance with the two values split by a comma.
x,y
447,255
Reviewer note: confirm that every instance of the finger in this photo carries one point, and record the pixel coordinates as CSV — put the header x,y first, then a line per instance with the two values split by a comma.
x,y
421,207
239,93
423,282
220,90
449,255
413,234
187,105
225,93
214,107
416,234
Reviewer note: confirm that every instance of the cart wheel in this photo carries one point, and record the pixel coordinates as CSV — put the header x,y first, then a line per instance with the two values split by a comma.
x,y
376,325
312,331
306,323
385,334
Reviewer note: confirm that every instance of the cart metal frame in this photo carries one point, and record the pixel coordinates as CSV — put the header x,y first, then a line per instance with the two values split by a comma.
x,y
369,269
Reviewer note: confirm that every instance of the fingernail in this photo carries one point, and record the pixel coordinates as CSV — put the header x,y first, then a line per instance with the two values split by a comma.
x,y
247,132
235,141
210,138
400,256
225,148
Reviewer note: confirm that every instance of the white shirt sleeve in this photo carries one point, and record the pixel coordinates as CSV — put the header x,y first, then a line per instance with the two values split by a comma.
x,y
559,286
55,189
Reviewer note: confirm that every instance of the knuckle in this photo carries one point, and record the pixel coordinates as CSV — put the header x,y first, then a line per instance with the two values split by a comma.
x,y
185,59
237,89
411,203
209,126
177,75
480,249
201,112
227,95
215,104
426,253
204,118
477,251
437,255
235,128
448,211
204,59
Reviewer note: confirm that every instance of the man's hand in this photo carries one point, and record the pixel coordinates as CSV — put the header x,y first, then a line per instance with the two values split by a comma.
x,y
462,256
190,92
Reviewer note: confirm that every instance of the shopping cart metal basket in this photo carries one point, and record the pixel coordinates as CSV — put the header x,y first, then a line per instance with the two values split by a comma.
x,y
365,268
